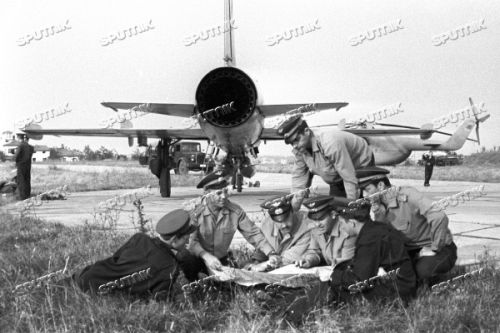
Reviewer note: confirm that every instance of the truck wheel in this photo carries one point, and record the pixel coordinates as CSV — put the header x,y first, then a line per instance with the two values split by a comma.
x,y
182,167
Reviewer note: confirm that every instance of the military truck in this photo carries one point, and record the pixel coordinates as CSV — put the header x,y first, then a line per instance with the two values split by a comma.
x,y
187,155
451,158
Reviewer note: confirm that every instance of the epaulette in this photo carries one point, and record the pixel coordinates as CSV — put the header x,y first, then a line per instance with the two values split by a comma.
x,y
233,207
402,197
198,210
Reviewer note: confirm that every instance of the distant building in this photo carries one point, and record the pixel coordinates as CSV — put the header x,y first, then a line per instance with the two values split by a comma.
x,y
69,155
40,154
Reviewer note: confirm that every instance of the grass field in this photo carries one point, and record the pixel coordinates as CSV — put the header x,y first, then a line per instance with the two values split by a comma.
x,y
30,248
94,177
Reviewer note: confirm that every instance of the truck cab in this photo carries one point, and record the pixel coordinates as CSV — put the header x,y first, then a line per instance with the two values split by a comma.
x,y
187,155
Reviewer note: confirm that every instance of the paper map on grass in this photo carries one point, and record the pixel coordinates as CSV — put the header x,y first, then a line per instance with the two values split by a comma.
x,y
289,276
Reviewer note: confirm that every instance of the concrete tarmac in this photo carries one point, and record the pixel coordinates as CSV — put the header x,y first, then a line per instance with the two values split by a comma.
x,y
475,224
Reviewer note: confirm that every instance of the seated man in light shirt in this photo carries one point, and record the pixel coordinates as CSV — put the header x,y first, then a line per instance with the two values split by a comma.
x,y
287,231
218,219
334,238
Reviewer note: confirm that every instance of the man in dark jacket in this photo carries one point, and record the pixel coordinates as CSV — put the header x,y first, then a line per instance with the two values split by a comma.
x,y
429,161
379,248
429,239
24,152
143,266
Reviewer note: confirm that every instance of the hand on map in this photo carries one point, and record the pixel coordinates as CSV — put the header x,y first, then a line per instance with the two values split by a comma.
x,y
302,263
274,261
426,252
211,262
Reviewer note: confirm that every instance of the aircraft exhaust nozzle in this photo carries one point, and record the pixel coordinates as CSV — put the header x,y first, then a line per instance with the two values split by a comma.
x,y
226,97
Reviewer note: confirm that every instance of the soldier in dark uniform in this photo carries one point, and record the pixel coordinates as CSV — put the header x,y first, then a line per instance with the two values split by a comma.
x,y
430,241
378,249
143,266
287,231
332,154
429,161
24,152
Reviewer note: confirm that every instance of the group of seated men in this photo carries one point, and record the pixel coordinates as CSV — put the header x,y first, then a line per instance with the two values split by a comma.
x,y
408,235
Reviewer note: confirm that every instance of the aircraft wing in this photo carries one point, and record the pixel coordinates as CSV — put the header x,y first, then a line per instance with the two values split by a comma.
x,y
270,133
191,133
278,109
178,110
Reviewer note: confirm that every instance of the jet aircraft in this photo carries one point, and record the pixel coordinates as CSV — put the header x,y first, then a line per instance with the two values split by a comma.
x,y
231,115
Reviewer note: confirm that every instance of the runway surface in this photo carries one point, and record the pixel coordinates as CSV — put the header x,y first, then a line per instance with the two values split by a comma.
x,y
475,224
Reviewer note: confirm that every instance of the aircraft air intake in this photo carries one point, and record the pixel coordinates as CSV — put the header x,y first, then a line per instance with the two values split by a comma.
x,y
226,97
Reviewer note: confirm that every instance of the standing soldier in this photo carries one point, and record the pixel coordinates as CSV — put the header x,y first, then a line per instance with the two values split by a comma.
x,y
218,219
24,152
430,241
287,231
332,154
429,161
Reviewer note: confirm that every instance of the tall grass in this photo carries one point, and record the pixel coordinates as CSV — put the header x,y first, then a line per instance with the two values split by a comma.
x,y
30,248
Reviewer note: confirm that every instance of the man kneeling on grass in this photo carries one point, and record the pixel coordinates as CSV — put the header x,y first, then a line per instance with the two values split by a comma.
x,y
143,266
358,249
288,233
430,242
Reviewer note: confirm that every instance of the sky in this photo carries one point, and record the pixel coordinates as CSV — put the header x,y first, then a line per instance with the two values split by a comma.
x,y
73,66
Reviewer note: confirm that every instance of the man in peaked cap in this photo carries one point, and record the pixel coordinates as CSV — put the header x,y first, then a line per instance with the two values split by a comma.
x,y
143,265
377,249
331,154
287,231
218,219
430,241
334,237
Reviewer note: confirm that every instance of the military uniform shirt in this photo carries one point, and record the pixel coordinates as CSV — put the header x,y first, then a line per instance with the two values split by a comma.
x,y
335,156
337,247
215,233
289,247
409,211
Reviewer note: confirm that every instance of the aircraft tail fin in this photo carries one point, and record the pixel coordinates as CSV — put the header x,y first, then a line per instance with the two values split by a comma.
x,y
457,140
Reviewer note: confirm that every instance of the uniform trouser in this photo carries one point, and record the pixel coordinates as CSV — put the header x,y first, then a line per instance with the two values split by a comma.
x,y
23,181
191,265
431,266
337,188
428,173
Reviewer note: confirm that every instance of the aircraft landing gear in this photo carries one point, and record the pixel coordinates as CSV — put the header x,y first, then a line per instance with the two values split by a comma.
x,y
166,165
237,180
